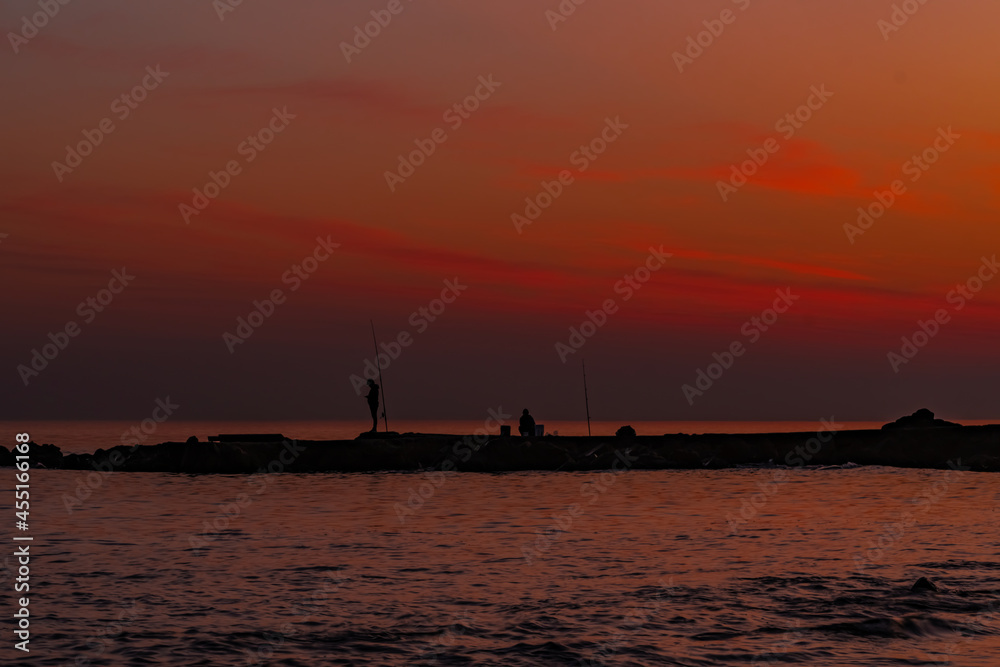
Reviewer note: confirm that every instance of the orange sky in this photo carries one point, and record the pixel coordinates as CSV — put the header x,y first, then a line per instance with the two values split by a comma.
x,y
656,184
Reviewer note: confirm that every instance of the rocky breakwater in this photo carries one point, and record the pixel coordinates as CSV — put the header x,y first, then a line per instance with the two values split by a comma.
x,y
915,441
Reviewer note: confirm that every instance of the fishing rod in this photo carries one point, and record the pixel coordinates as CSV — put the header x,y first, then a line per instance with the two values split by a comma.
x,y
379,364
586,400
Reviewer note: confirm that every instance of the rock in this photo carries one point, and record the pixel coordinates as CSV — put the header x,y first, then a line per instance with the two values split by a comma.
x,y
923,584
625,432
922,418
6,458
192,440
975,447
78,462
47,456
377,435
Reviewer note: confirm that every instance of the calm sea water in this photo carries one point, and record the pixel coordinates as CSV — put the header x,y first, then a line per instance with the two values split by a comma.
x,y
639,568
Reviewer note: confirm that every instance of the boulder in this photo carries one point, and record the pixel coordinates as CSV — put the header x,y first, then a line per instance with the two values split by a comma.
x,y
45,456
922,418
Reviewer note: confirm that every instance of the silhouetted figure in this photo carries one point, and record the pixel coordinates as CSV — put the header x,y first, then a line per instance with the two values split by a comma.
x,y
527,424
373,403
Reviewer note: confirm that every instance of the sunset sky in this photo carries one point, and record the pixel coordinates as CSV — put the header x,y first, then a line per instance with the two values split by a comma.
x,y
556,85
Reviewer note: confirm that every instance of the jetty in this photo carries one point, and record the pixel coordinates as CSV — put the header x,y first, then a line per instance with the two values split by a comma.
x,y
915,441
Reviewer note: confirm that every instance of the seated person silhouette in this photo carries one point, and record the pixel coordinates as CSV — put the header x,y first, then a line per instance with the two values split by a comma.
x,y
527,424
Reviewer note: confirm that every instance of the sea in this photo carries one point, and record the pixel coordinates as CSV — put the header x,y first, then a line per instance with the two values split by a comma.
x,y
752,566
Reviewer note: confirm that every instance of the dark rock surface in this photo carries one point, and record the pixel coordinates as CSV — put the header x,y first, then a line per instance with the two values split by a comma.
x,y
48,456
966,448
379,435
975,448
922,418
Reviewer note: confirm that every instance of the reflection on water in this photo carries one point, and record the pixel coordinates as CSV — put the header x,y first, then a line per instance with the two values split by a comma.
x,y
641,568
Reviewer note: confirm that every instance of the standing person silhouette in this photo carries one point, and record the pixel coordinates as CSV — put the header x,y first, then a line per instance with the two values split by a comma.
x,y
372,398
527,424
